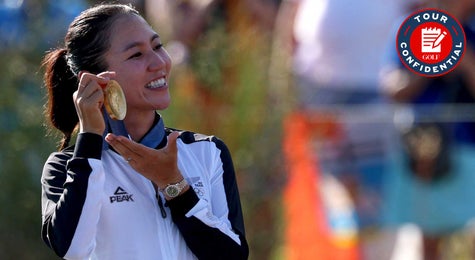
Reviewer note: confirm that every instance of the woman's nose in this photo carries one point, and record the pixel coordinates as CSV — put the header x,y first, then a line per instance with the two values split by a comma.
x,y
158,60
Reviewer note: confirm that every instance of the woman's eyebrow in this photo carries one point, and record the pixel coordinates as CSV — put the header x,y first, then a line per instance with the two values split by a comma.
x,y
138,43
154,36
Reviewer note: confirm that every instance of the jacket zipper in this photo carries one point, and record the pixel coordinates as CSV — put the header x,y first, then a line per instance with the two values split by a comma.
x,y
160,204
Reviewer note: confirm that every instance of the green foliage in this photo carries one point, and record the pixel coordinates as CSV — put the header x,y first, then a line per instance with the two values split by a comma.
x,y
23,150
23,146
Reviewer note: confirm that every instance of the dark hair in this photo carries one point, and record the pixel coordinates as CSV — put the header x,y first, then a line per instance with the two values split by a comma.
x,y
86,41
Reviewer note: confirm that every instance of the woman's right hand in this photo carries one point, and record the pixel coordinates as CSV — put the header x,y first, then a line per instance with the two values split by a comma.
x,y
89,99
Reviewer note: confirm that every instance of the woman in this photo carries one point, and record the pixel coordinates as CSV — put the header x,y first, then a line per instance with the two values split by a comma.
x,y
107,199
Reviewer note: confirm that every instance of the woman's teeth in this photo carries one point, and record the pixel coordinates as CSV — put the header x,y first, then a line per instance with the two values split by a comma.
x,y
157,83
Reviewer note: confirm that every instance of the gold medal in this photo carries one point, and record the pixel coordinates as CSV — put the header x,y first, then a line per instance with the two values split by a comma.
x,y
114,100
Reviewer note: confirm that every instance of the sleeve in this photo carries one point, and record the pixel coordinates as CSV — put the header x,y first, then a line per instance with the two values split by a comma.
x,y
213,231
71,183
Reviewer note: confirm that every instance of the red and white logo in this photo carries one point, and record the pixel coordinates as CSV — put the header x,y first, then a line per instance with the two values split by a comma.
x,y
430,42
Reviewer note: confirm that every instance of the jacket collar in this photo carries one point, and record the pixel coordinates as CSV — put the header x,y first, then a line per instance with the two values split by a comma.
x,y
153,138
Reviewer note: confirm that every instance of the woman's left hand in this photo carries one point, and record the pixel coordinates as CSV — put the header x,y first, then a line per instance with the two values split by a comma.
x,y
159,166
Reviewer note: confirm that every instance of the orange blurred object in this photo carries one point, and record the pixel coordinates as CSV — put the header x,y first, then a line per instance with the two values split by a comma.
x,y
307,232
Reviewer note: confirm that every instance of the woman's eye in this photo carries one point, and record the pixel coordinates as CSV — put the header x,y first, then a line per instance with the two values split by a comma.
x,y
135,55
158,47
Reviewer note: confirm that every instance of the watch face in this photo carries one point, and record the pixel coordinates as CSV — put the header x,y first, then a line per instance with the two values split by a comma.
x,y
172,191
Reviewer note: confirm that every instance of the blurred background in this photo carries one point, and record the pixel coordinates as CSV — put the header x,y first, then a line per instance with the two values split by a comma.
x,y
335,159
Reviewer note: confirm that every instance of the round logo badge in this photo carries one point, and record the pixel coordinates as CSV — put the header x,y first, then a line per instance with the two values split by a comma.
x,y
430,42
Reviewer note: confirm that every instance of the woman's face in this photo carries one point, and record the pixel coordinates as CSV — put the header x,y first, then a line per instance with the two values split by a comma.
x,y
141,64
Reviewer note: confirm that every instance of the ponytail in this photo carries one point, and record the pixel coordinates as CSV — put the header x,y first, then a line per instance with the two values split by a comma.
x,y
85,43
60,83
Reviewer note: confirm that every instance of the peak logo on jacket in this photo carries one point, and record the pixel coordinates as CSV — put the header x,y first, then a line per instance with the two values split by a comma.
x,y
120,195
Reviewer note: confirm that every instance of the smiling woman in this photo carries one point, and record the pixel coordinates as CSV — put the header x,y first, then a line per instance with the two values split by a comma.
x,y
103,197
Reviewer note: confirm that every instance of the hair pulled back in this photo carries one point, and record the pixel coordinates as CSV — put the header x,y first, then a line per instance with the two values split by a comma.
x,y
85,44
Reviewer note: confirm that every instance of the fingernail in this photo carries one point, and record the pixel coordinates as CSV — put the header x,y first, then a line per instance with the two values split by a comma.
x,y
108,137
